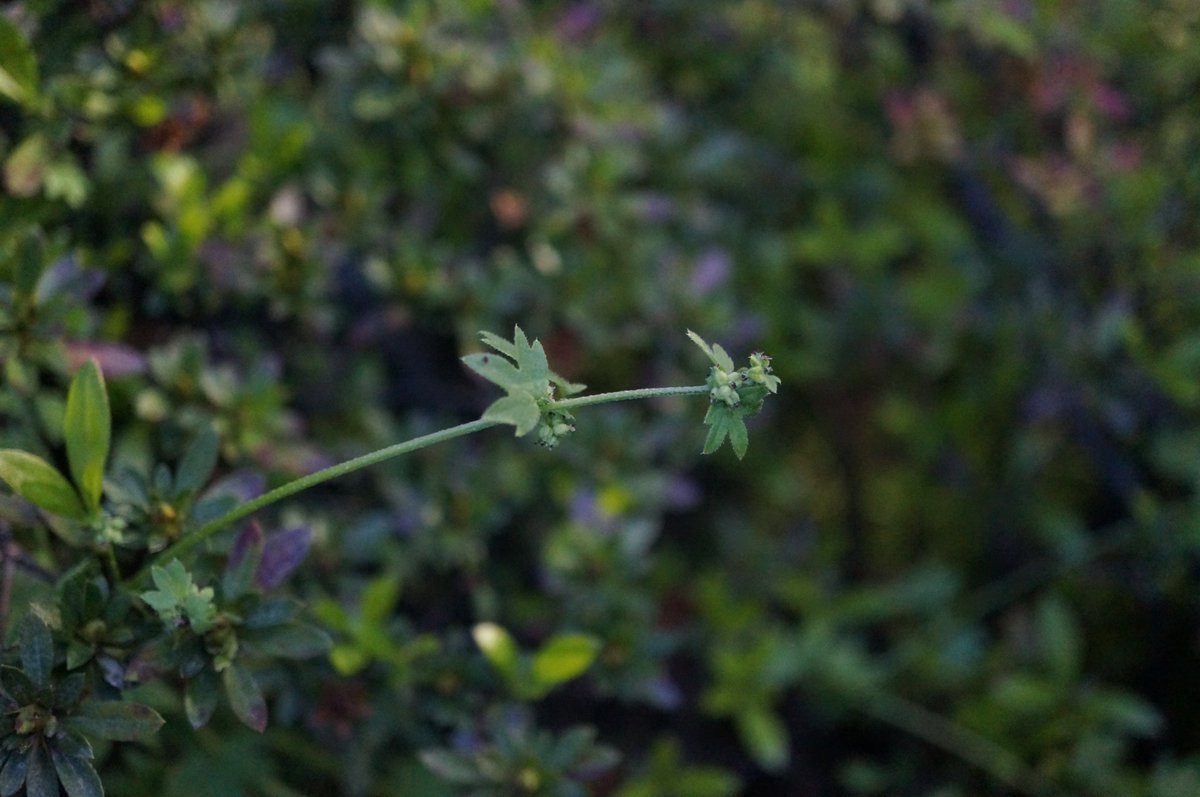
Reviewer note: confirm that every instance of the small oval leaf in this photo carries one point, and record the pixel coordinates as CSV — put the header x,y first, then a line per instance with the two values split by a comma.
x,y
87,427
245,698
564,657
40,483
116,720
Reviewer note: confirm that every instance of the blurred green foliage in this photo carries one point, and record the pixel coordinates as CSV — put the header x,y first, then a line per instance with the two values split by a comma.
x,y
960,558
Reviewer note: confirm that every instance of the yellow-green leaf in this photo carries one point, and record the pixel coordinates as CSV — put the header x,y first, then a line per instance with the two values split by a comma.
x,y
564,657
498,646
87,428
40,483
18,66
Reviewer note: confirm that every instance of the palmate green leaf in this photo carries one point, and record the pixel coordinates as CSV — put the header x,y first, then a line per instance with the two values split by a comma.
x,y
521,411
18,66
40,483
725,422
76,774
87,427
525,376
116,720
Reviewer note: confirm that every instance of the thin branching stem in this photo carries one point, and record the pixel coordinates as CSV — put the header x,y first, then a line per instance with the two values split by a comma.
x,y
203,533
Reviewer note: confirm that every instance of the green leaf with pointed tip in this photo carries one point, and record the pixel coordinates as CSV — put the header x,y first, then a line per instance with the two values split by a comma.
x,y
496,370
37,650
245,698
715,353
564,657
12,776
117,720
725,421
200,697
17,685
521,411
76,774
764,736
199,461
40,483
498,646
295,641
87,427
499,344
18,66
40,780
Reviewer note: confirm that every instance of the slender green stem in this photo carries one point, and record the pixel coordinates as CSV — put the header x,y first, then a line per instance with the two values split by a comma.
x,y
997,761
203,533
629,395
197,536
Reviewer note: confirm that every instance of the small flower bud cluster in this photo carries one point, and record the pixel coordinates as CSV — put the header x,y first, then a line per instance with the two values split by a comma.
x,y
729,388
555,424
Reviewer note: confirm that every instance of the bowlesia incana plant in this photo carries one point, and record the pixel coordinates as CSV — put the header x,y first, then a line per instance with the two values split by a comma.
x,y
147,592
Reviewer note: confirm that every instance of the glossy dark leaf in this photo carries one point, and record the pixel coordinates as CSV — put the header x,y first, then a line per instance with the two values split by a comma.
x,y
12,776
17,685
41,780
76,774
36,649
117,720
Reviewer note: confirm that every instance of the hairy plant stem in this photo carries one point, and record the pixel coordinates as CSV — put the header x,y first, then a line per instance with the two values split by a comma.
x,y
203,533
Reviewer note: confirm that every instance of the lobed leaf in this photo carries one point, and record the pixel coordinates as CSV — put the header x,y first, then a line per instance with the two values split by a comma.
x,y
520,411
40,483
87,427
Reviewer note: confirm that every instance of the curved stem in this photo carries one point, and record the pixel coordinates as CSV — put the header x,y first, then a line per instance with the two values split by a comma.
x,y
203,533
199,535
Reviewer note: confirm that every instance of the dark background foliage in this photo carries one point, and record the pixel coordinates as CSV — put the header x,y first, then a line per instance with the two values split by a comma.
x,y
960,557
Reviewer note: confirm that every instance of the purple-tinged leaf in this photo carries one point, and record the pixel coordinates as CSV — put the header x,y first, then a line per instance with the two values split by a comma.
x,y
200,698
282,554
244,560
117,720
245,698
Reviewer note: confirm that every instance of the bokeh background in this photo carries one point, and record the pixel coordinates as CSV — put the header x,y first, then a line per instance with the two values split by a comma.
x,y
960,558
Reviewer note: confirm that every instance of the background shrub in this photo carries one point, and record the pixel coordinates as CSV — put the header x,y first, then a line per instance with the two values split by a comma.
x,y
959,558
